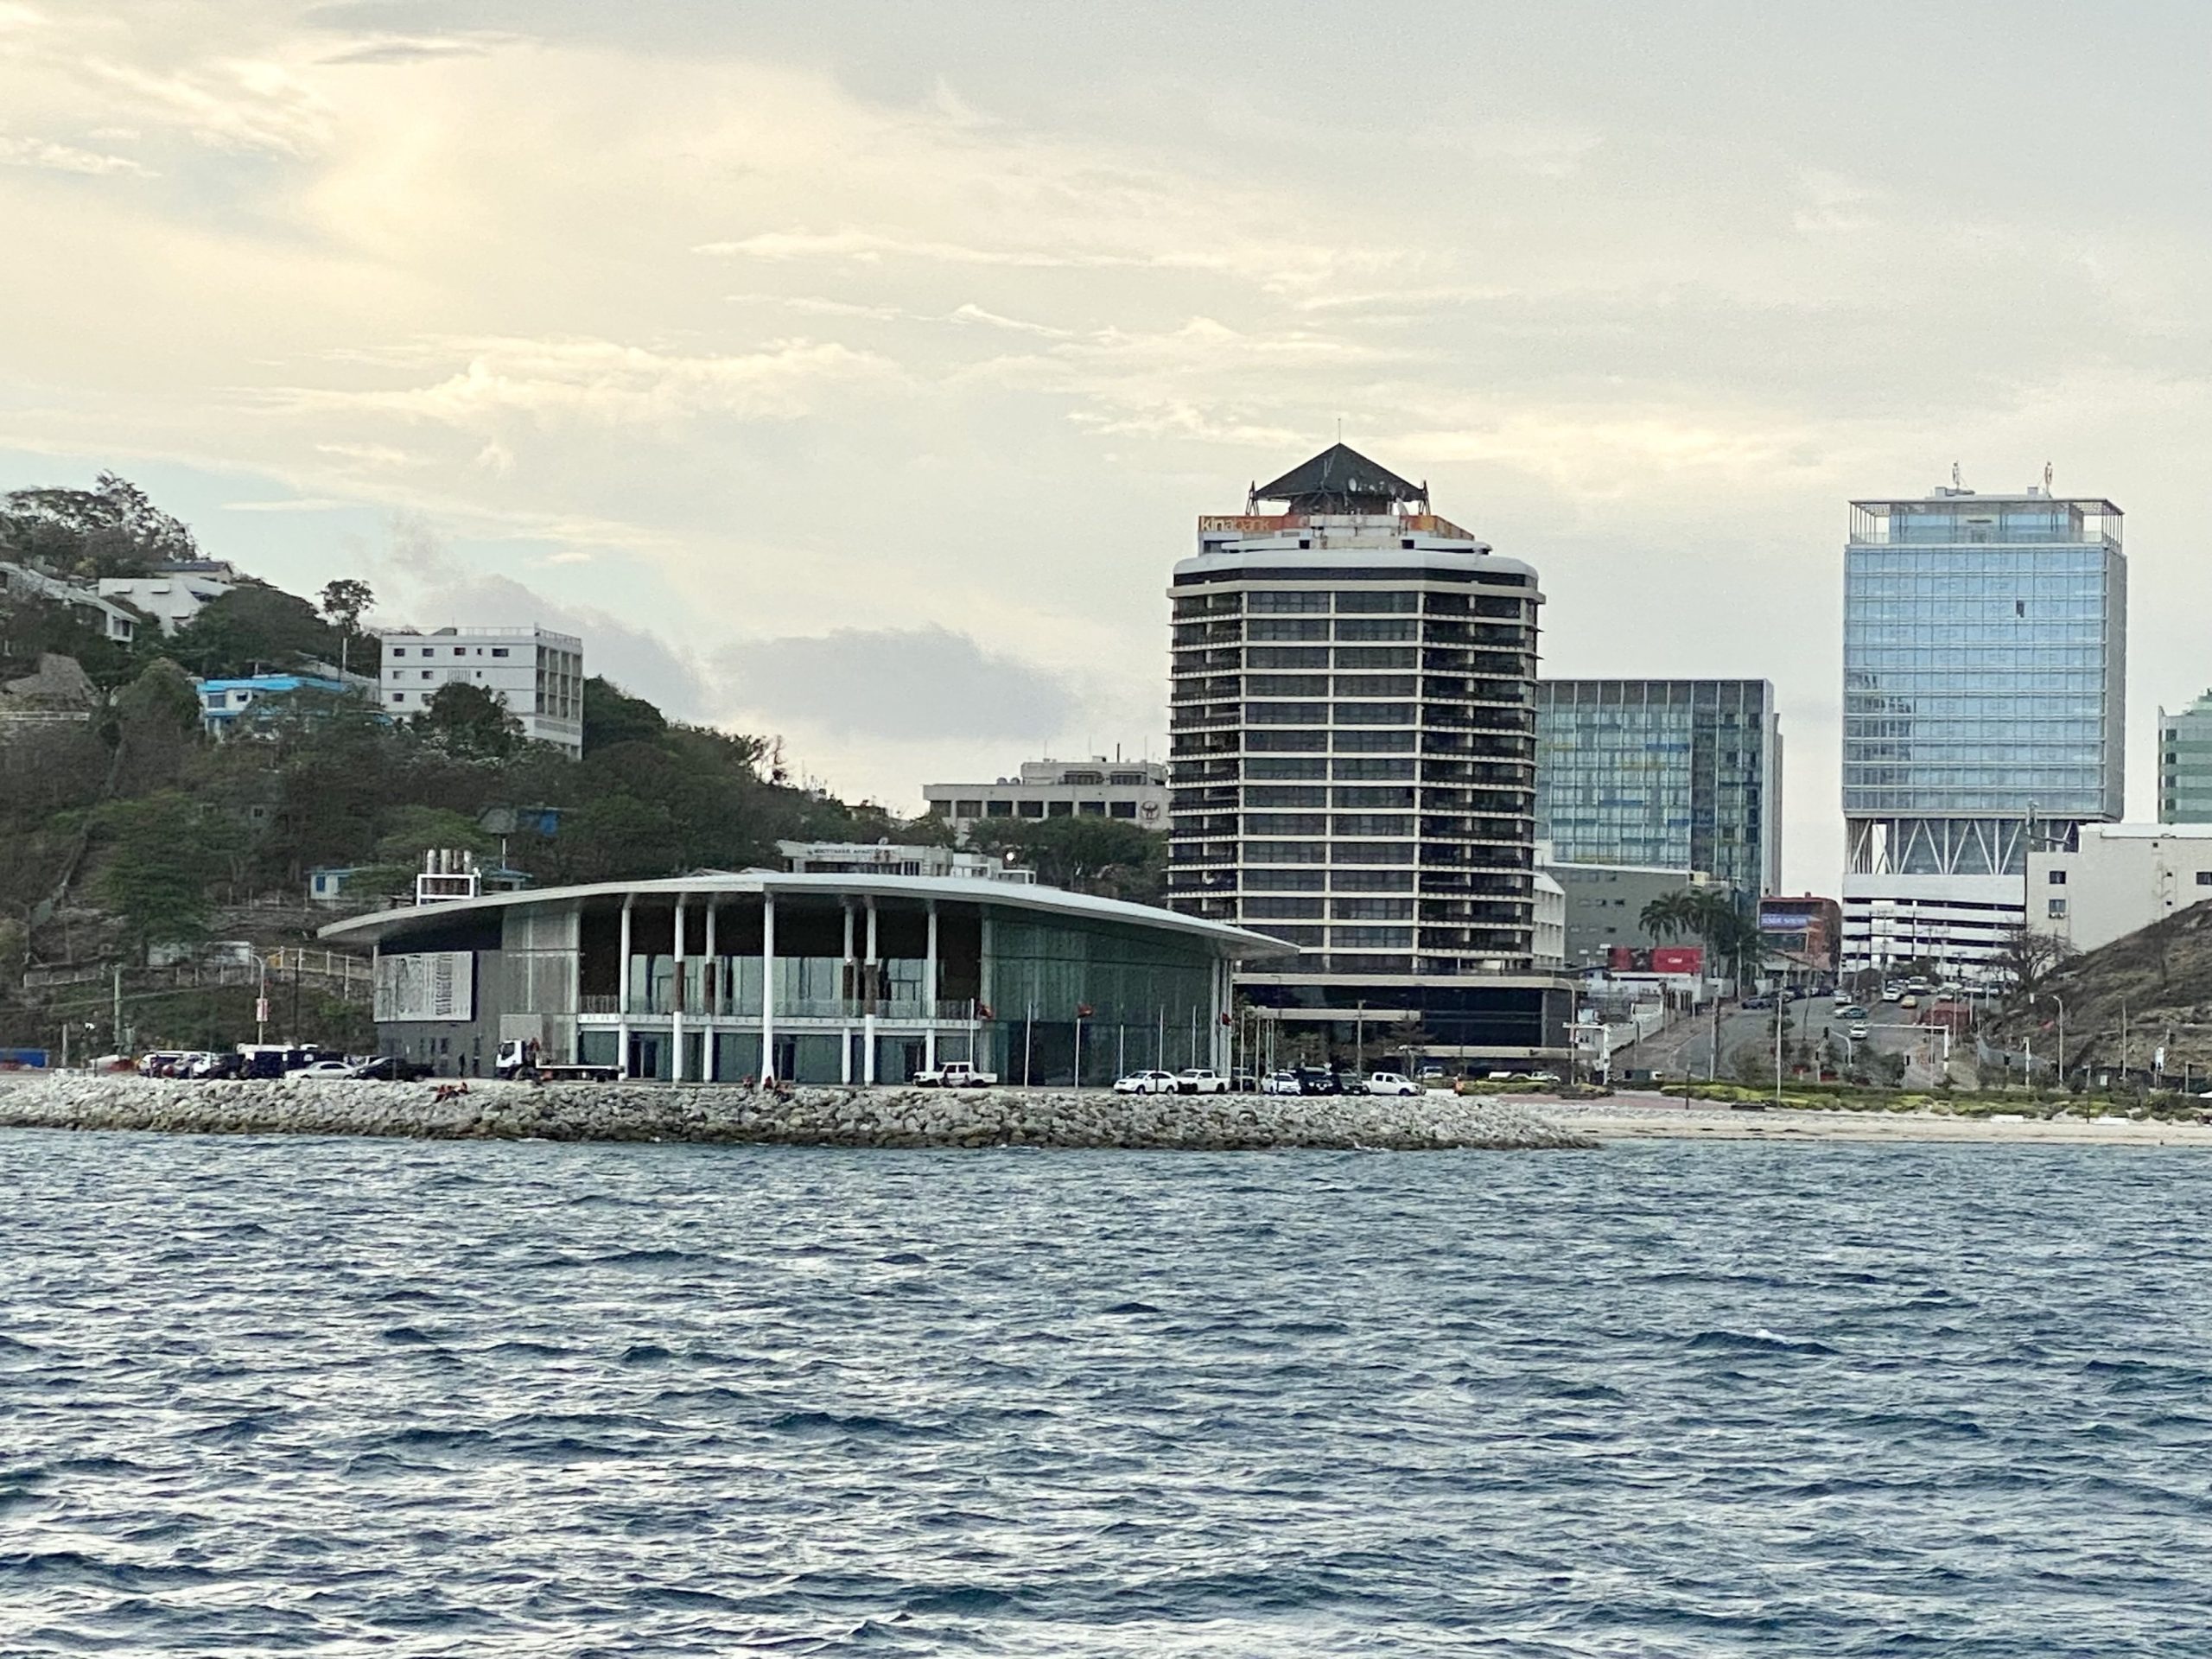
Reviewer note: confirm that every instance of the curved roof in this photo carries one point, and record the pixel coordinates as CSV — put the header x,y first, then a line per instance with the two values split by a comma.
x,y
1226,941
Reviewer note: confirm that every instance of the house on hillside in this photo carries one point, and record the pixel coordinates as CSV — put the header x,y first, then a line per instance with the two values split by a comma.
x,y
229,707
114,621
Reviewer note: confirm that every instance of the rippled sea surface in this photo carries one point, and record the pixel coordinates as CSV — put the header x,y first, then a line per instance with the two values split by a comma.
x,y
352,1396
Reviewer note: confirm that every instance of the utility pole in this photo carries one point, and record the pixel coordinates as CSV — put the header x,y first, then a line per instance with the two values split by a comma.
x,y
118,1016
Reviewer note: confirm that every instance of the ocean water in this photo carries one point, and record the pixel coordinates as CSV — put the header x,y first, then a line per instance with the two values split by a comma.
x,y
294,1397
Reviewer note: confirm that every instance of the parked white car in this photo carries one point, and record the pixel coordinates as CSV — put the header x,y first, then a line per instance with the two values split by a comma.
x,y
320,1072
1279,1083
1146,1082
1391,1083
1197,1080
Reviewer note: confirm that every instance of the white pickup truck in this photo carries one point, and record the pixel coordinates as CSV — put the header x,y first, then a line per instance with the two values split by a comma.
x,y
955,1074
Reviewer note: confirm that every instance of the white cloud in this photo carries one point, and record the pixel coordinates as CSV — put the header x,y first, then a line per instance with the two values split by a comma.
x,y
66,158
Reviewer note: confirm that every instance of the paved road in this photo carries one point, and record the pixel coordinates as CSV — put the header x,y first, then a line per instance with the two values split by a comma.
x,y
1686,1048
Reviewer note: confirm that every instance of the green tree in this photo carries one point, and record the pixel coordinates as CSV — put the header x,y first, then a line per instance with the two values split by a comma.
x,y
156,725
253,628
611,715
468,721
1111,857
344,601
156,859
110,529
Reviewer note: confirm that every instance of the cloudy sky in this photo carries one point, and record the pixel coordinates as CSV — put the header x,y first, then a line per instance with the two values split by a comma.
x,y
854,372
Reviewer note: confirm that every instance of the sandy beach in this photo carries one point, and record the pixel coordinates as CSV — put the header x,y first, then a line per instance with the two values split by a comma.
x,y
1649,1117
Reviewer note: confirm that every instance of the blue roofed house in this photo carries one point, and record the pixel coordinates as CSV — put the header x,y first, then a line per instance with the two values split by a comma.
x,y
248,704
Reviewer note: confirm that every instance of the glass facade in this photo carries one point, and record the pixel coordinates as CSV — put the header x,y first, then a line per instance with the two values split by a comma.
x,y
1672,774
2185,764
1985,652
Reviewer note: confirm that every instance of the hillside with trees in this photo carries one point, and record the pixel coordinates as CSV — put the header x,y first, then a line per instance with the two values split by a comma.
x,y
128,832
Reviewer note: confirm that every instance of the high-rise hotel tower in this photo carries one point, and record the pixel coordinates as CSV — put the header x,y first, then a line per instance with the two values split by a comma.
x,y
1985,663
1353,762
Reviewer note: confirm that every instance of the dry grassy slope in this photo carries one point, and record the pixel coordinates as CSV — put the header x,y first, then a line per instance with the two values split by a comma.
x,y
2161,976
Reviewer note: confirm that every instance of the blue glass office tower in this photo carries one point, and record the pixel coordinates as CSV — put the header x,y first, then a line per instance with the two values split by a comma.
x,y
1985,650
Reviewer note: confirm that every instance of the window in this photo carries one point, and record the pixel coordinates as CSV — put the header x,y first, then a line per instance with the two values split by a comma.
x,y
2057,907
967,809
399,696
2058,878
1268,768
1059,809
428,675
942,810
1090,808
498,651
1125,779
2204,878
1375,628
1032,809
1295,627
1371,603
1078,778
1122,810
998,809
1284,603
399,650
1282,910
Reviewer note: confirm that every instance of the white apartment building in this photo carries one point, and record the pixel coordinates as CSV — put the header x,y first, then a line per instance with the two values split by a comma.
x,y
2116,878
1135,790
539,672
173,594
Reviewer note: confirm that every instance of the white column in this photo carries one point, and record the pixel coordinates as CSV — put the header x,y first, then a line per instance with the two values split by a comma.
x,y
849,986
622,992
767,982
676,1000
715,996
929,988
868,1020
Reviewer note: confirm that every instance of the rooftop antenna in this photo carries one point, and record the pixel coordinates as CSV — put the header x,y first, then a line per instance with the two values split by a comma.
x,y
1956,482
2046,477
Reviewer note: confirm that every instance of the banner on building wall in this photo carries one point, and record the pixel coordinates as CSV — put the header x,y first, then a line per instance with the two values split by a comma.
x,y
432,985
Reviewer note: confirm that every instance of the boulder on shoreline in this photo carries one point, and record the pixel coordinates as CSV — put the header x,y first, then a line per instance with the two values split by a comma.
x,y
889,1117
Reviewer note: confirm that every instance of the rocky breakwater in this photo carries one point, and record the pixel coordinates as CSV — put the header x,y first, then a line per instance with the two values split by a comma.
x,y
805,1116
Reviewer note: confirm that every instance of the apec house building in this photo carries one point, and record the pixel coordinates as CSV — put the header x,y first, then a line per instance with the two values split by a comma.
x,y
1984,647
1352,764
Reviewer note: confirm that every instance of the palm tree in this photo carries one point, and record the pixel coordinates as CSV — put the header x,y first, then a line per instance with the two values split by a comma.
x,y
1671,914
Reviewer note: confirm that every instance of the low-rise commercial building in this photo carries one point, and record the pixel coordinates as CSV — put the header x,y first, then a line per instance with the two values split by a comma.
x,y
809,976
1135,790
540,673
1805,933
2116,878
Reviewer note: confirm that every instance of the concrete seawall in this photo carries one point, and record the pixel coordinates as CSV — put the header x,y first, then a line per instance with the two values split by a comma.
x,y
810,1116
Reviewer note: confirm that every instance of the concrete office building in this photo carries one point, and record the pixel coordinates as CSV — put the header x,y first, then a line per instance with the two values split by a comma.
x,y
2185,764
1134,791
1352,760
1605,906
815,978
1985,658
2115,878
1663,775
539,672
